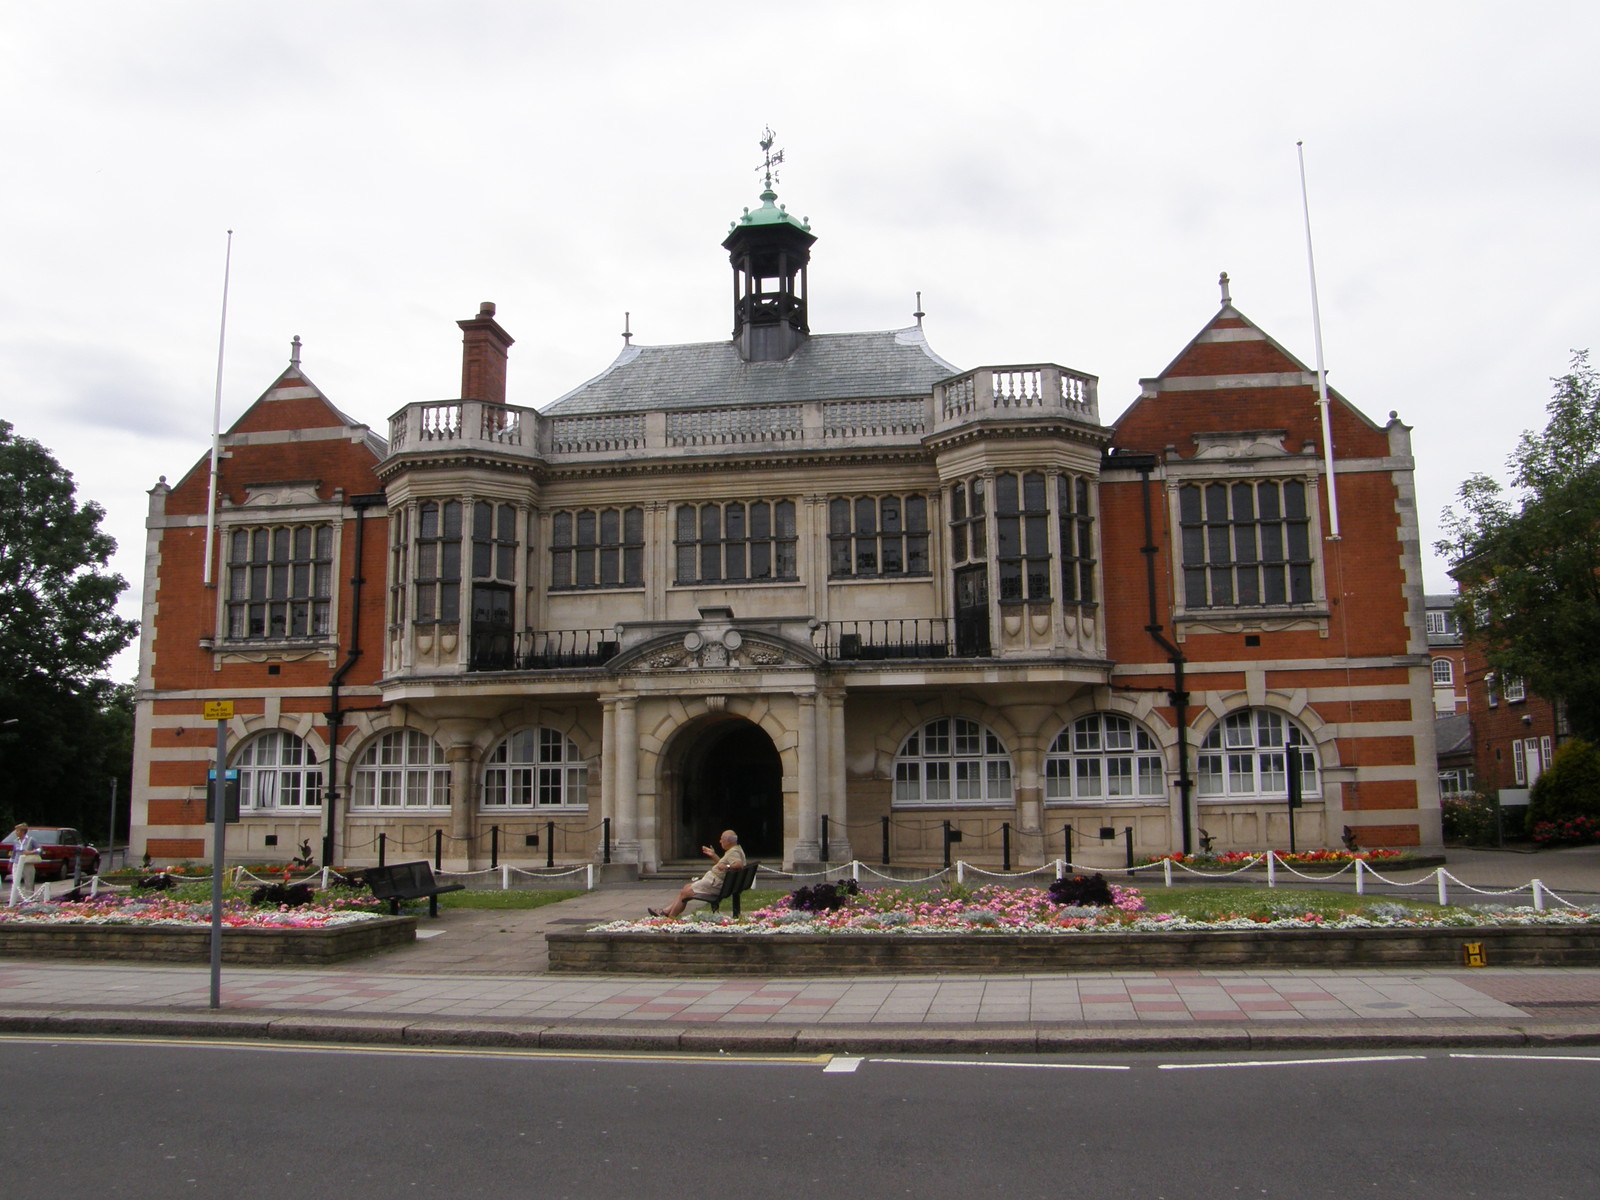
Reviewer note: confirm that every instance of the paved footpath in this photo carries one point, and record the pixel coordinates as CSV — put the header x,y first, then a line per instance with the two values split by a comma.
x,y
479,978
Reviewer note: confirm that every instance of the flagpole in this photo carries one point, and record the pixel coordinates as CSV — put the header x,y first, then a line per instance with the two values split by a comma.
x,y
216,416
1322,374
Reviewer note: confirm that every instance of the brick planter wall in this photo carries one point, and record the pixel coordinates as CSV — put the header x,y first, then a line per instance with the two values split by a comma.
x,y
174,943
871,954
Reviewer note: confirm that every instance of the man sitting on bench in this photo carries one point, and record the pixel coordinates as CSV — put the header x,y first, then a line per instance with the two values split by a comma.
x,y
709,886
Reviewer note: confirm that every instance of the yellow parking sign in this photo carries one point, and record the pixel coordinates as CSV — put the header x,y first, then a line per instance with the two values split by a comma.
x,y
219,710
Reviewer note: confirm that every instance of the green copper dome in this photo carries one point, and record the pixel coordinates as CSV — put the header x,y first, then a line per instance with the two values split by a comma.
x,y
770,213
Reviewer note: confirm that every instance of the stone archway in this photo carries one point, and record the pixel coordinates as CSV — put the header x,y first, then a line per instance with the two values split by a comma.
x,y
727,775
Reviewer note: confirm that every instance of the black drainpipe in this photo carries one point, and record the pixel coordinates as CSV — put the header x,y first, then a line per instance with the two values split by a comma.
x,y
330,796
1145,464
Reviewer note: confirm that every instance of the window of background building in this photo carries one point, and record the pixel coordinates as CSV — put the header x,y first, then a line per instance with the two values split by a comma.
x,y
277,770
874,536
1245,756
596,548
1515,689
1455,782
438,561
1104,756
968,534
736,542
399,555
1442,621
280,582
954,761
536,768
403,768
1245,544
1022,534
1443,675
1077,539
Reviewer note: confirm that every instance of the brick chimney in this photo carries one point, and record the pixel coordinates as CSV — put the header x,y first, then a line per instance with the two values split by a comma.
x,y
483,356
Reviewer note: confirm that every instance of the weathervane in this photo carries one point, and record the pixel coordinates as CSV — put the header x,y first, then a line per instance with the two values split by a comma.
x,y
772,160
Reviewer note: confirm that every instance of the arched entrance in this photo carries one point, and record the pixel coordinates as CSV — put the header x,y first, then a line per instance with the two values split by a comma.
x,y
729,776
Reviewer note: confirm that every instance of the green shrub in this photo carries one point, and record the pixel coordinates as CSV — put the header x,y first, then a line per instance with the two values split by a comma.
x,y
1569,787
1468,820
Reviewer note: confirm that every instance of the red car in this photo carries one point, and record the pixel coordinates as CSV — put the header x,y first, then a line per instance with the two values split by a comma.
x,y
61,847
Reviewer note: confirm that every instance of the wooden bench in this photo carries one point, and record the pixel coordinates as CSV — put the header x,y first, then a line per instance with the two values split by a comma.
x,y
408,881
735,882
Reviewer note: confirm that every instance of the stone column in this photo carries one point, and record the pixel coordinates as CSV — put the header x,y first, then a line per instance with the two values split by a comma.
x,y
624,778
835,796
806,849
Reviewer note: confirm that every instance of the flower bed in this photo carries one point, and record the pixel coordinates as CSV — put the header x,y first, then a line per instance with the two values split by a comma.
x,y
162,929
995,928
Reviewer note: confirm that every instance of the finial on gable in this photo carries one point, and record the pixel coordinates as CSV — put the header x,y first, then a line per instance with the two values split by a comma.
x,y
1222,281
294,351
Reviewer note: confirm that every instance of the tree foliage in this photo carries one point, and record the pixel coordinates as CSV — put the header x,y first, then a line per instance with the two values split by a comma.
x,y
67,730
1569,786
1528,559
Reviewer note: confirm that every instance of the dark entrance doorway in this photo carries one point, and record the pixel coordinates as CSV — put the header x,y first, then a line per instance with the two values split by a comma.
x,y
732,778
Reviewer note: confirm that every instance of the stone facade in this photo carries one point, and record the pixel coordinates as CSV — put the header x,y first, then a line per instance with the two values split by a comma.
x,y
828,590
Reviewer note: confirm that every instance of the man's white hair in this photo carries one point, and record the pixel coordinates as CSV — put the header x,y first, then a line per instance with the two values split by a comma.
x,y
731,836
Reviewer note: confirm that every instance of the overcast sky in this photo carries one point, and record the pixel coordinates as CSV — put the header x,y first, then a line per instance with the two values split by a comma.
x,y
1062,181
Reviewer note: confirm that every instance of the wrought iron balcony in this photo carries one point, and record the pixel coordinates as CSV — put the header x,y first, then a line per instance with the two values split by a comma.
x,y
889,639
541,649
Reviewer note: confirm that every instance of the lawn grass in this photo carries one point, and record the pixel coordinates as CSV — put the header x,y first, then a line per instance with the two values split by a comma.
x,y
477,898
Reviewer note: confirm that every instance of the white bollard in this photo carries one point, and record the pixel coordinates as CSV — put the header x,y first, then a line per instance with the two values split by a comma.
x,y
1538,896
1361,884
961,871
1272,868
1166,870
1444,892
588,870
324,878
94,887
505,877
855,869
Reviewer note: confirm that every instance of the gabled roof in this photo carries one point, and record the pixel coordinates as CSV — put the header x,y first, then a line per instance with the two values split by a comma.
x,y
830,366
1233,377
294,402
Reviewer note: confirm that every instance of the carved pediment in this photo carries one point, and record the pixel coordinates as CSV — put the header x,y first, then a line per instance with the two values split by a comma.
x,y
1245,443
717,650
279,495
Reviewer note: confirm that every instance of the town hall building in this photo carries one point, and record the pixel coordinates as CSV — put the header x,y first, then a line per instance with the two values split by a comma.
x,y
829,590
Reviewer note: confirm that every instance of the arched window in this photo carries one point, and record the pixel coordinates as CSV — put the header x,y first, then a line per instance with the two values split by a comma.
x,y
952,760
402,769
1442,673
1104,756
1245,757
536,768
278,770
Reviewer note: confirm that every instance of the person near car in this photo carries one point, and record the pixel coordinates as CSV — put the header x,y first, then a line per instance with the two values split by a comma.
x,y
22,845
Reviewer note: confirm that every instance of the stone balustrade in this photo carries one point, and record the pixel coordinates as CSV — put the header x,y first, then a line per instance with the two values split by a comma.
x,y
984,394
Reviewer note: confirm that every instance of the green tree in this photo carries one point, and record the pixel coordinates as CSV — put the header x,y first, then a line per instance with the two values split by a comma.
x,y
65,730
1528,560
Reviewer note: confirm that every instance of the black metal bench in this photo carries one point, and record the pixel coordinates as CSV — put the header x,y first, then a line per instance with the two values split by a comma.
x,y
735,882
408,881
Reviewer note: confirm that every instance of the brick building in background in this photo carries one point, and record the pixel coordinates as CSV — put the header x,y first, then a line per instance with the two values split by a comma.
x,y
827,589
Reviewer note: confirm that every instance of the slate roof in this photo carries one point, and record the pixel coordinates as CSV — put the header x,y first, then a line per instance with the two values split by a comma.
x,y
829,366
1453,734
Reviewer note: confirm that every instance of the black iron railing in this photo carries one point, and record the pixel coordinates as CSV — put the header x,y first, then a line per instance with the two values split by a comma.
x,y
893,638
541,649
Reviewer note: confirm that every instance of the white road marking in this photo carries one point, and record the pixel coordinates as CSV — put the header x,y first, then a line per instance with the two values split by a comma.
x,y
841,1065
1288,1062
1030,1066
1537,1057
